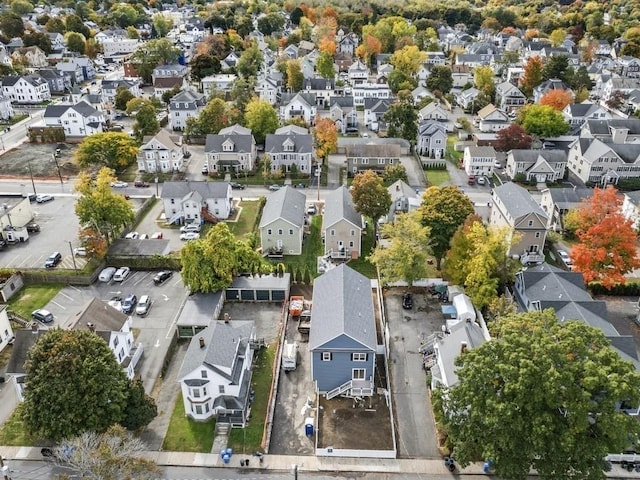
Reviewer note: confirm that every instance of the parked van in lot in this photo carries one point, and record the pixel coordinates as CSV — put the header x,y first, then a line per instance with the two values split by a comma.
x,y
290,356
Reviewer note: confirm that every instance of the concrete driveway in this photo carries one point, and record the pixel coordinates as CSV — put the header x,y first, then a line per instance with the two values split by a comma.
x,y
414,418
415,175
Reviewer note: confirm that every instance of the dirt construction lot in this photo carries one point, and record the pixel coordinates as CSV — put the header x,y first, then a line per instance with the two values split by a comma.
x,y
15,162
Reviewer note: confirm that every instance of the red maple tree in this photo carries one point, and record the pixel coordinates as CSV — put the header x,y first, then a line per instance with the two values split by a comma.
x,y
607,240
512,138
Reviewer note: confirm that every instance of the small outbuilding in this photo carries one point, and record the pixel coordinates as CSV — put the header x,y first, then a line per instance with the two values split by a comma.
x,y
264,288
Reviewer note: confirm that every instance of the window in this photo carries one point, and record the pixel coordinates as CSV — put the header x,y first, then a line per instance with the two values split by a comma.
x,y
358,357
537,234
291,231
195,392
279,231
115,341
269,231
220,388
352,233
199,409
530,223
326,356
332,232
203,373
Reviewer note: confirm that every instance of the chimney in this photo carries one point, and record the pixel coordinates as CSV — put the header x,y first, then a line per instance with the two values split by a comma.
x,y
463,347
34,328
92,327
201,339
227,317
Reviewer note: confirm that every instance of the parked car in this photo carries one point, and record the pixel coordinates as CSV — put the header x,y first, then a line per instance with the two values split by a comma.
x,y
44,198
162,277
481,180
190,227
80,251
107,274
119,184
471,180
407,301
129,304
143,236
548,145
54,259
186,237
32,197
132,236
140,184
42,315
205,171
564,256
32,227
157,236
121,274
300,185
144,305
311,209
275,187
237,186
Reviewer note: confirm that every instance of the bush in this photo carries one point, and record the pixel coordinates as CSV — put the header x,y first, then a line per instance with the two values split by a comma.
x,y
628,289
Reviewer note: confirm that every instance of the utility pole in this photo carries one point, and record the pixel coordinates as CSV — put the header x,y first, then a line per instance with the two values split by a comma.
x,y
5,469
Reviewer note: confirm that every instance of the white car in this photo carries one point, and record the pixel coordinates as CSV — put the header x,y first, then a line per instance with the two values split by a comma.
x,y
119,184
132,236
143,306
143,236
80,252
43,198
185,237
107,274
481,180
191,227
121,274
564,256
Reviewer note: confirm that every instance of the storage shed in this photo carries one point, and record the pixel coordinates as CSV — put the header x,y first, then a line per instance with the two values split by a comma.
x,y
266,288
465,311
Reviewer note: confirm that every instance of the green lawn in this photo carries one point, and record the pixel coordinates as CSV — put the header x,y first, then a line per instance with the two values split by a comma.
x,y
186,435
247,219
311,250
250,439
361,264
14,433
437,177
451,153
33,297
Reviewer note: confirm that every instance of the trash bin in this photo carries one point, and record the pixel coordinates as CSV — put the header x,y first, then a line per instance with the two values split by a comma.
x,y
241,463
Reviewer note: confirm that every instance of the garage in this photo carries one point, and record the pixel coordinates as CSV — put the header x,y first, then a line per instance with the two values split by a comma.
x,y
265,288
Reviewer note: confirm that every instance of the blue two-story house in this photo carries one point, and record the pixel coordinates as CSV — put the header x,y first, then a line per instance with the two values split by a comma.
x,y
342,339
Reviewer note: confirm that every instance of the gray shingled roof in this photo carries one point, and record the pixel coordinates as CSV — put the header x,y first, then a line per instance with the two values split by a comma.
x,y
517,200
302,143
531,156
634,197
242,143
468,332
373,150
205,189
25,339
103,316
286,203
338,206
569,197
601,127
342,305
82,107
223,341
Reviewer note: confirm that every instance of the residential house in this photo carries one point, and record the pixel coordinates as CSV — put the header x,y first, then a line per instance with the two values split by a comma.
x,y
321,88
576,114
282,222
628,66
492,119
87,66
161,153
79,120
196,202
233,149
230,61
363,91
548,86
342,111
6,109
305,47
347,43
371,156
116,44
420,93
619,84
341,225
544,286
113,326
288,146
537,165
433,111
466,98
110,89
631,208
57,41
479,161
29,89
215,377
358,73
298,106
268,89
6,331
403,199
56,80
436,58
432,139
342,61
515,208
72,72
374,110
623,130
509,97
186,104
557,202
168,77
342,339
222,82
31,57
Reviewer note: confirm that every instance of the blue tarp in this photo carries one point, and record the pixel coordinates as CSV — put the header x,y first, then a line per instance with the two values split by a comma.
x,y
449,311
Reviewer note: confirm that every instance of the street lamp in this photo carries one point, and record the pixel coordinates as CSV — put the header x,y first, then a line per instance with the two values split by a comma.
x,y
55,159
73,257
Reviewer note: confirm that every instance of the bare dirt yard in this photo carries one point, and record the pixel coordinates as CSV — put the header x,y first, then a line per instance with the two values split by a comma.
x,y
15,162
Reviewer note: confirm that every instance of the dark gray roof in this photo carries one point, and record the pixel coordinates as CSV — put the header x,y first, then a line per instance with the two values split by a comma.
x,y
569,197
318,83
634,197
582,109
531,156
103,316
344,101
309,98
272,282
342,305
189,97
338,206
205,189
373,150
242,143
50,73
135,248
114,84
302,143
25,339
602,127
628,152
286,203
82,107
199,309
224,343
379,105
517,200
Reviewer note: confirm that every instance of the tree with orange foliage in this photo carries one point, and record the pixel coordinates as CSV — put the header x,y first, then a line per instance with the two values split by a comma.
x,y
607,240
326,137
532,75
557,99
369,47
309,12
328,45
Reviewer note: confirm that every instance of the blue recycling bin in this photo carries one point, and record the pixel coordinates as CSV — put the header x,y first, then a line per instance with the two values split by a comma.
x,y
308,429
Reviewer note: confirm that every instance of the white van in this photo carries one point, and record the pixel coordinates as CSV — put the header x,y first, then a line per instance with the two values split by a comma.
x,y
290,356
